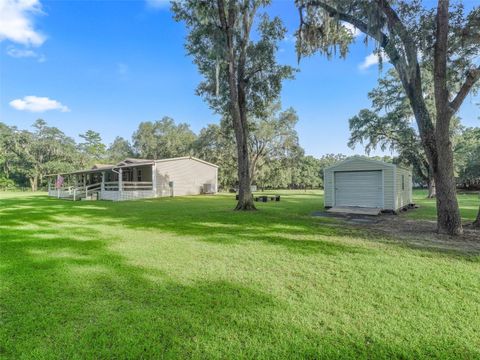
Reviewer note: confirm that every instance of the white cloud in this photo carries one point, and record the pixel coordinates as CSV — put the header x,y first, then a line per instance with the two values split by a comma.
x,y
158,4
38,104
355,32
371,60
25,53
16,22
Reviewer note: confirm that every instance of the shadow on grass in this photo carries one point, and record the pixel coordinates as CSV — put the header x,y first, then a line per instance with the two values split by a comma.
x,y
205,218
65,298
65,294
210,219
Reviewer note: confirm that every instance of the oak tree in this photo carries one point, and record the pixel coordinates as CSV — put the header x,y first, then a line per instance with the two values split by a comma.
x,y
241,76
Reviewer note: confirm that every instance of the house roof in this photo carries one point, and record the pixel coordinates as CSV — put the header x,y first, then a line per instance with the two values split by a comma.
x,y
130,162
101,166
188,158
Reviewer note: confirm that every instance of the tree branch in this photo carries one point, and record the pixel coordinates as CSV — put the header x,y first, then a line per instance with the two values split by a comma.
x,y
375,33
396,24
472,77
381,37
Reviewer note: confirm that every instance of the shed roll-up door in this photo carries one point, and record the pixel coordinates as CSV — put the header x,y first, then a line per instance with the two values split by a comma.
x,y
359,188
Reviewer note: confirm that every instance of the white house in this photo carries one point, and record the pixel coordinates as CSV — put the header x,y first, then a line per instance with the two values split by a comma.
x,y
362,182
137,178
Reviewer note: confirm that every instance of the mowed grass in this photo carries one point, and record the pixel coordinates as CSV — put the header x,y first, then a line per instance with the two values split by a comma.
x,y
468,202
190,278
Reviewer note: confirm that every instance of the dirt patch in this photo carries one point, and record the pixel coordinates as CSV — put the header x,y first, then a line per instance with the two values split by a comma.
x,y
422,233
415,233
349,218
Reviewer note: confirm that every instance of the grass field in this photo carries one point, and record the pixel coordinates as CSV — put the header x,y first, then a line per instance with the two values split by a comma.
x,y
190,278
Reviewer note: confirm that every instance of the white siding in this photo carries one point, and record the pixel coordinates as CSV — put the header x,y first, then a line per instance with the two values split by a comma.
x,y
403,188
188,176
361,164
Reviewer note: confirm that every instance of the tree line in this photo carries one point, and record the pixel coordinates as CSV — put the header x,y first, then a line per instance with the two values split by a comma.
x,y
277,159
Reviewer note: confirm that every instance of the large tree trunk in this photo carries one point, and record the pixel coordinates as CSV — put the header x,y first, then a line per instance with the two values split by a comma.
x,y
237,107
448,213
245,198
435,138
476,223
33,183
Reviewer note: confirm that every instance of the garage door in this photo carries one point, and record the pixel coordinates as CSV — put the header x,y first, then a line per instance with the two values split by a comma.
x,y
359,188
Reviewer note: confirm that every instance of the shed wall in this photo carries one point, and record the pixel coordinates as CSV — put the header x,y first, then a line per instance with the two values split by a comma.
x,y
188,177
403,188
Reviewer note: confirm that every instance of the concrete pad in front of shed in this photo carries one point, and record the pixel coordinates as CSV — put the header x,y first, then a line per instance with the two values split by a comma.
x,y
356,210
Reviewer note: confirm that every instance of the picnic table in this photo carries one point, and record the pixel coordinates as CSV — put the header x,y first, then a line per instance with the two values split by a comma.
x,y
264,198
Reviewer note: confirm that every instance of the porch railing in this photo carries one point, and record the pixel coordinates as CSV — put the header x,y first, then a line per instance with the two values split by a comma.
x,y
128,185
77,193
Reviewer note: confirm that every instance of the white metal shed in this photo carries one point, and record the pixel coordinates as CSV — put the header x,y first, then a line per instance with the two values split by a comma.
x,y
363,182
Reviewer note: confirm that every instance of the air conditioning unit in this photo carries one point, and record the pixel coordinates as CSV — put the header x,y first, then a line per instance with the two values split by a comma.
x,y
208,188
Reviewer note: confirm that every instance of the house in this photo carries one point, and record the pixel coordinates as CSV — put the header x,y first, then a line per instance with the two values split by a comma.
x,y
137,178
367,183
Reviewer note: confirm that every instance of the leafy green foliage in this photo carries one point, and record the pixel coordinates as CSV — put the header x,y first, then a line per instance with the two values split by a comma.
x,y
91,149
27,156
467,156
163,139
206,41
119,150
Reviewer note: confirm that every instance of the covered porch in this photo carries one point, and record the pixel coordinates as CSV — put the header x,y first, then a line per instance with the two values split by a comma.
x,y
106,182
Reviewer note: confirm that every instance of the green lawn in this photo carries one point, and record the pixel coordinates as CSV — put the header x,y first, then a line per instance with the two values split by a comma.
x,y
190,278
469,203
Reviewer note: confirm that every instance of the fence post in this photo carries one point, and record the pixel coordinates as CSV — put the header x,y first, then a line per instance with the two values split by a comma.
x,y
120,183
154,179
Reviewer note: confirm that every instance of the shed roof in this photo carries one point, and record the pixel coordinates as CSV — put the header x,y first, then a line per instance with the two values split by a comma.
x,y
363,158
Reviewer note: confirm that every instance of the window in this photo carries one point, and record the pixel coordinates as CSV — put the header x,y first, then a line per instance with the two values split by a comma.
x,y
139,175
403,182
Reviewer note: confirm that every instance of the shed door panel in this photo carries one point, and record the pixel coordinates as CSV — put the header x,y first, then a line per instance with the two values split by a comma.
x,y
359,188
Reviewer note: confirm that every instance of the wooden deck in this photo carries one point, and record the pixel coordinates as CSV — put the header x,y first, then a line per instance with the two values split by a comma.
x,y
355,210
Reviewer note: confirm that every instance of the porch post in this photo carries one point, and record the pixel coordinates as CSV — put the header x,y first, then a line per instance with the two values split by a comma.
x,y
102,188
85,183
120,181
154,179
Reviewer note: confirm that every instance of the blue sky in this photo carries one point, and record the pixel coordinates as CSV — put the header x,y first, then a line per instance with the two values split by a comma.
x,y
108,65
